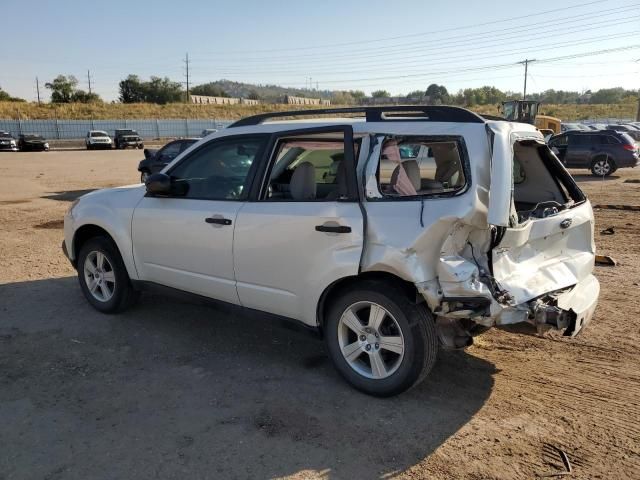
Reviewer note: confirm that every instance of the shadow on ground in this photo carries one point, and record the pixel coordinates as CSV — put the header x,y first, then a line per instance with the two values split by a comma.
x,y
175,390
587,177
67,196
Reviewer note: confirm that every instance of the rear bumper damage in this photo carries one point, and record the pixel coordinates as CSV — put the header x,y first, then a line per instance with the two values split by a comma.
x,y
568,310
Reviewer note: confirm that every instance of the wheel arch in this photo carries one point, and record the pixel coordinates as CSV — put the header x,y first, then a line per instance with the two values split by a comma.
x,y
338,286
92,230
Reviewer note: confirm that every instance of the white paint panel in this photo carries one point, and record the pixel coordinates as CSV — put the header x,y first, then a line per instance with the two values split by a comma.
x,y
283,264
174,246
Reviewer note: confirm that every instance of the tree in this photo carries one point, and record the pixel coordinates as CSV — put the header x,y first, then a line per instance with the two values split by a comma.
x,y
415,95
5,97
62,88
253,95
436,94
210,90
81,96
380,94
608,95
131,90
156,90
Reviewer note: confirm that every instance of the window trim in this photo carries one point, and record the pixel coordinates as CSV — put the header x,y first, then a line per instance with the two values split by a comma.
x,y
259,188
464,160
251,175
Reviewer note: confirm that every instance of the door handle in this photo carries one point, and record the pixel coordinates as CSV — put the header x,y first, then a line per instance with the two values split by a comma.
x,y
218,220
333,228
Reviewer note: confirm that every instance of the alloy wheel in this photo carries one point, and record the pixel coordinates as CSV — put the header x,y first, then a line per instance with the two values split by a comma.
x,y
371,340
99,276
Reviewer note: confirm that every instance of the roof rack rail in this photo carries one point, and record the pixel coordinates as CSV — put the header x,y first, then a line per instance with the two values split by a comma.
x,y
430,113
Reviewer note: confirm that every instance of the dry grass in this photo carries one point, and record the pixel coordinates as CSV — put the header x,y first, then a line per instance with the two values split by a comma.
x,y
106,111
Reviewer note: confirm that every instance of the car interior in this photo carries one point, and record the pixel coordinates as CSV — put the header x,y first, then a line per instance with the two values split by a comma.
x,y
413,167
310,169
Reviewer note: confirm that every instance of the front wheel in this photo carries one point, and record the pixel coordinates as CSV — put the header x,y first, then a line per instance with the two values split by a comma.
x,y
379,340
143,177
103,277
602,167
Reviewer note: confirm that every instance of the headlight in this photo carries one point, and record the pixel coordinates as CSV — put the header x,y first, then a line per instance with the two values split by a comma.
x,y
46,145
73,205
13,142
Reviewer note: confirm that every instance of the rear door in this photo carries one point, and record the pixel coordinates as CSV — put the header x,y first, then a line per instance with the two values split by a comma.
x,y
550,249
580,150
303,228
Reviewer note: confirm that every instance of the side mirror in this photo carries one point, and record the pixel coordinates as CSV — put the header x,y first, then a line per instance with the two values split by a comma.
x,y
158,184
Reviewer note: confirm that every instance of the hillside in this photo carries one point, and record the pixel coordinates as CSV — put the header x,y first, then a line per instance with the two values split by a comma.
x,y
79,111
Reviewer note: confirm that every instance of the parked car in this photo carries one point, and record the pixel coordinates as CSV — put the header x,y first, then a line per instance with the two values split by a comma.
x,y
293,218
156,160
125,137
32,143
97,139
208,131
602,152
628,129
565,127
7,142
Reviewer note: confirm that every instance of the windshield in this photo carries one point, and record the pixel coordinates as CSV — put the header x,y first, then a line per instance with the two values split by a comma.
x,y
33,137
5,135
99,134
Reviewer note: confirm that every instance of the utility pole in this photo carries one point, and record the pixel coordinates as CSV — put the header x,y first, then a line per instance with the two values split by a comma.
x,y
89,79
186,61
38,89
638,112
526,63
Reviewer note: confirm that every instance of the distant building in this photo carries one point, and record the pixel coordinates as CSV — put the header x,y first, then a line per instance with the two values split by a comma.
x,y
291,100
206,100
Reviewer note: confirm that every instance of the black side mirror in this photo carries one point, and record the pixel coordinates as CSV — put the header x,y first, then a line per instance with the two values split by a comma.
x,y
158,184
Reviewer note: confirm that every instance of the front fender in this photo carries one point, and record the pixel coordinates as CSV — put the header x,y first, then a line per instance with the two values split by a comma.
x,y
110,210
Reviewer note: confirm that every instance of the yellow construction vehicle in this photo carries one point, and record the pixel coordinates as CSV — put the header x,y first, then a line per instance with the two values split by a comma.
x,y
526,111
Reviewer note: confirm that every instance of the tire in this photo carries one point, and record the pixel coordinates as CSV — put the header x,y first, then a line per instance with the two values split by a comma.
x,y
410,325
89,146
117,294
143,176
602,167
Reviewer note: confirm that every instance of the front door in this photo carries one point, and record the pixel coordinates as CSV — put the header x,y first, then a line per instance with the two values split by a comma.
x,y
185,240
304,229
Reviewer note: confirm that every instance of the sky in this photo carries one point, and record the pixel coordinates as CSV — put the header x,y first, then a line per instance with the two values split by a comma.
x,y
399,46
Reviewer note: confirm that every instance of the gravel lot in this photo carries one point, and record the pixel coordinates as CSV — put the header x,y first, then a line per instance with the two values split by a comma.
x,y
177,390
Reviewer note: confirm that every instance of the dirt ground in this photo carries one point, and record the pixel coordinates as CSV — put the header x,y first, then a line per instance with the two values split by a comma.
x,y
176,390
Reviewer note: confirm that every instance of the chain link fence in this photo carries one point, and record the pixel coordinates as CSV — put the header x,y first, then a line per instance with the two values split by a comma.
x,y
77,129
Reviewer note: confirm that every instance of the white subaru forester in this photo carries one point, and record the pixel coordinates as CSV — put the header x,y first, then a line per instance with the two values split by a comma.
x,y
393,232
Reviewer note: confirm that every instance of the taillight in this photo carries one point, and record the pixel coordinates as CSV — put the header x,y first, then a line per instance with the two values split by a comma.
x,y
627,146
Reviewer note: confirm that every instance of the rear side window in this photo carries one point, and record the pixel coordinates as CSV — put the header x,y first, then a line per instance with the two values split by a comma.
x,y
582,139
413,166
609,140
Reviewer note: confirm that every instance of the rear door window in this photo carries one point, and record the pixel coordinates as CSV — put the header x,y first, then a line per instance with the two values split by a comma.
x,y
411,166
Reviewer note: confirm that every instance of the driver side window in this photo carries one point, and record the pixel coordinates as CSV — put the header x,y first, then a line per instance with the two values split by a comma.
x,y
218,170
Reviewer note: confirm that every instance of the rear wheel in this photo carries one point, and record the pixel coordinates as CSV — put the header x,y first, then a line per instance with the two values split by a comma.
x,y
380,341
103,277
602,167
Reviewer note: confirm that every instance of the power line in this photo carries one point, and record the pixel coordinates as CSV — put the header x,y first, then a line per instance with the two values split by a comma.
x,y
442,54
466,39
384,39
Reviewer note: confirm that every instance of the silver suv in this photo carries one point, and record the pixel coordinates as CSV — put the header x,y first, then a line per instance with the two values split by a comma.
x,y
393,232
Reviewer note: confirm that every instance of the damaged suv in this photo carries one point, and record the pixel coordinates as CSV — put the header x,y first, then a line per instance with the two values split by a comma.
x,y
393,232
